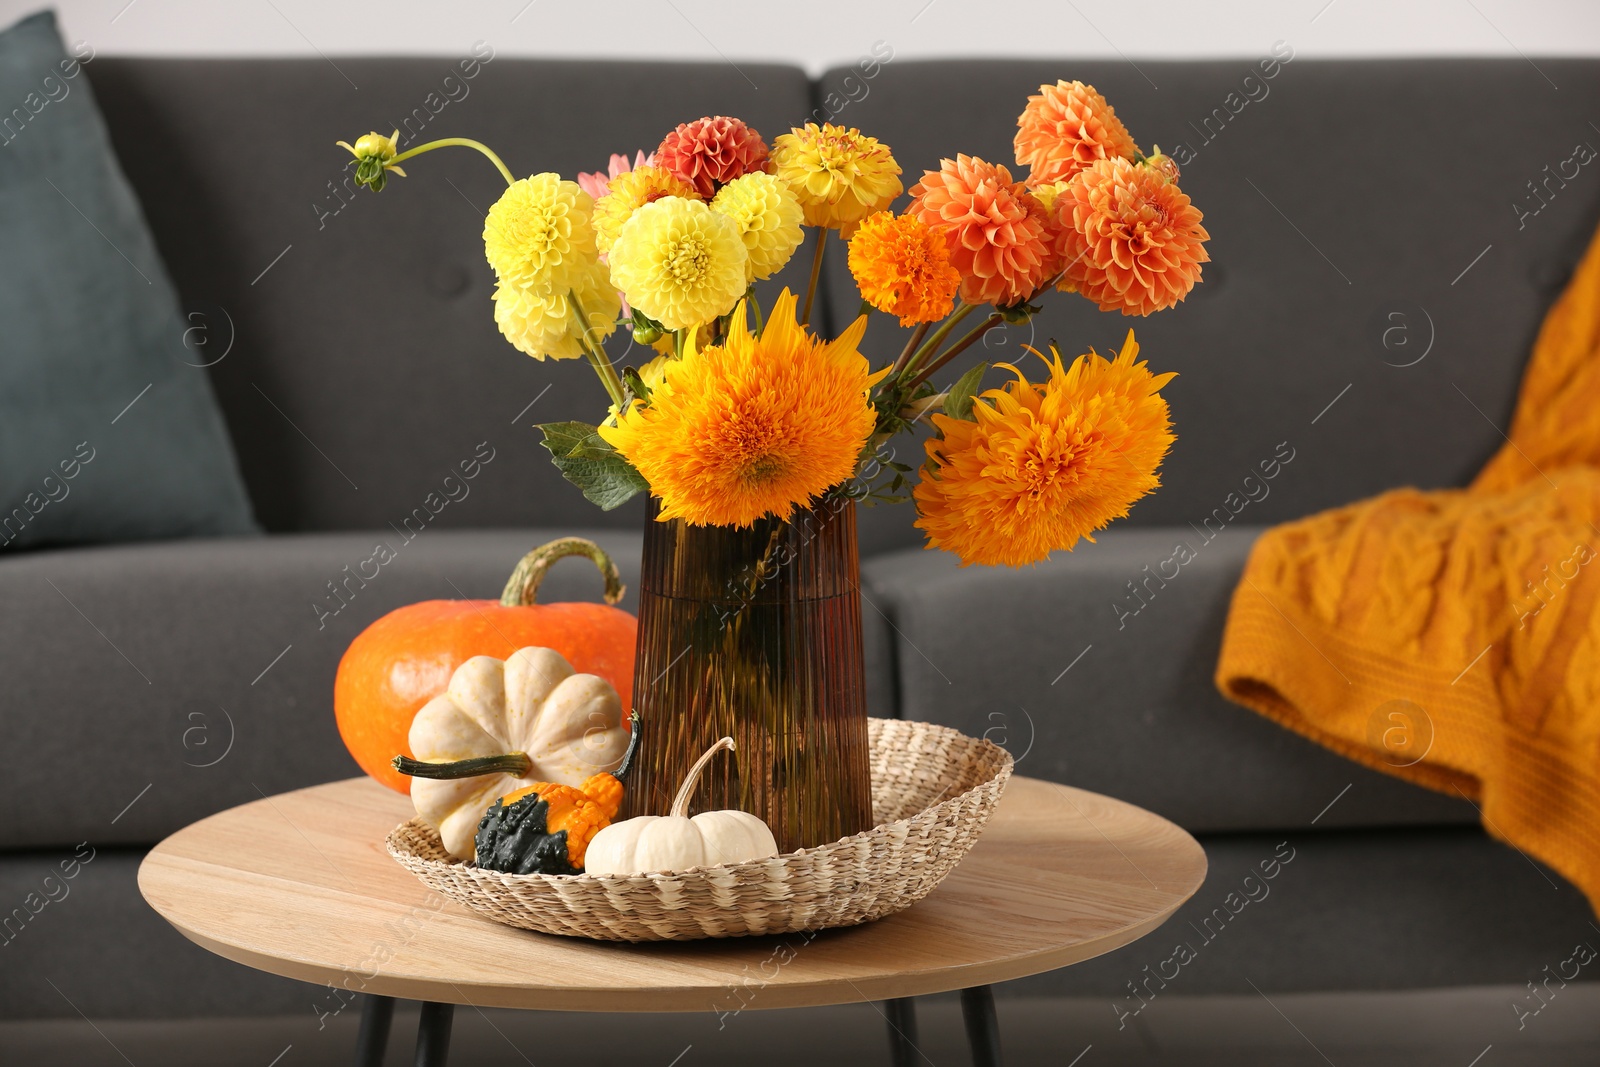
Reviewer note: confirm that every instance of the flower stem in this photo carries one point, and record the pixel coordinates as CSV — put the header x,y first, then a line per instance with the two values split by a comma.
x,y
816,273
607,373
963,309
956,349
911,346
597,354
460,142
755,308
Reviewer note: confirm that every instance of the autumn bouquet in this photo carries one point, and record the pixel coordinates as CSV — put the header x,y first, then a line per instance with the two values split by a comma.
x,y
744,413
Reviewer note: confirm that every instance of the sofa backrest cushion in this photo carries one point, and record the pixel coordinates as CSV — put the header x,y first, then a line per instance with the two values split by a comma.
x,y
1385,238
365,364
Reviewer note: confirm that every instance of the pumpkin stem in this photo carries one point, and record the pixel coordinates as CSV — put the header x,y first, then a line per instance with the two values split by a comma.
x,y
516,764
680,803
633,746
522,589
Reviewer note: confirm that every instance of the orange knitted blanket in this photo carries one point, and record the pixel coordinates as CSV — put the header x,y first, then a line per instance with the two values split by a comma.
x,y
1452,638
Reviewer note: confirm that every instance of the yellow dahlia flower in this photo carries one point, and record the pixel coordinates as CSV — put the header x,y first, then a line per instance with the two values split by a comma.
x,y
1048,195
652,374
538,235
679,262
754,426
769,220
542,321
839,175
628,193
1040,466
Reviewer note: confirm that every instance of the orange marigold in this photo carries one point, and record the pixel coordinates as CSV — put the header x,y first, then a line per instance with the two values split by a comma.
x,y
753,426
903,267
1040,466
1066,127
1129,237
996,232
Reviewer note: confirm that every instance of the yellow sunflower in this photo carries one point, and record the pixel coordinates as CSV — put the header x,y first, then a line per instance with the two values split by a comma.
x,y
1041,466
679,262
753,426
539,235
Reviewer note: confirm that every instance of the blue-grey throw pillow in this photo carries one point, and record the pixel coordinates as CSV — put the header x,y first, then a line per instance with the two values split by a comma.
x,y
108,431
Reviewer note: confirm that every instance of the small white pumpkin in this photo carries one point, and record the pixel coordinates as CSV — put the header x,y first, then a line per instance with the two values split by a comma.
x,y
530,718
673,842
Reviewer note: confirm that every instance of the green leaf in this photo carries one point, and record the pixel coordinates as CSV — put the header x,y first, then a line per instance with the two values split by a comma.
x,y
585,459
637,390
958,400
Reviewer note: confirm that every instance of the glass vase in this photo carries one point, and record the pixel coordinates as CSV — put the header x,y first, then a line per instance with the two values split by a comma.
x,y
755,634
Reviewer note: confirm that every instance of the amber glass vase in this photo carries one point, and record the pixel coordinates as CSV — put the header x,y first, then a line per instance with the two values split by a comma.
x,y
755,634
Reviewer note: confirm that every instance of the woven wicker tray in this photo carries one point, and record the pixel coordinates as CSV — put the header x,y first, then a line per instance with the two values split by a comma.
x,y
932,787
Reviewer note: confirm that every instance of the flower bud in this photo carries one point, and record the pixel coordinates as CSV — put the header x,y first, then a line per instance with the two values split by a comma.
x,y
375,144
1017,314
373,152
1163,164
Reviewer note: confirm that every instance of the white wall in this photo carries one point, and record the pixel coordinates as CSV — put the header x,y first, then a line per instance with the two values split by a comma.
x,y
818,32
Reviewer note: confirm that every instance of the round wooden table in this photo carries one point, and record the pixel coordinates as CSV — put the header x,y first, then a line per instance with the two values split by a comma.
x,y
299,884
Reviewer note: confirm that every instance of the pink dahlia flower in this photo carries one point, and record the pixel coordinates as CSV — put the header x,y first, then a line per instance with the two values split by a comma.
x,y
597,183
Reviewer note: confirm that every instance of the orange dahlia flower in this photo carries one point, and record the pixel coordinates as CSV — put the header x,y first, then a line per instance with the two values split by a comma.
x,y
711,152
753,426
996,232
1040,466
1130,239
1066,127
903,267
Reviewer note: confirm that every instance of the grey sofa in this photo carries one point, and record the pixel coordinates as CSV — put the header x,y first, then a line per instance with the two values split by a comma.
x,y
144,686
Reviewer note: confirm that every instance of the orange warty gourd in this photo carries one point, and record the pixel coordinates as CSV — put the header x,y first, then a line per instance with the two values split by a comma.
x,y
405,659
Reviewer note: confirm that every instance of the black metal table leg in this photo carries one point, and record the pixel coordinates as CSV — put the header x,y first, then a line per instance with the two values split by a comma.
x,y
433,1034
902,1016
373,1040
983,1026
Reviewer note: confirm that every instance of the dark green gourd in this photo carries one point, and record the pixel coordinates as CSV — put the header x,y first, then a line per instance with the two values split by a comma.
x,y
514,839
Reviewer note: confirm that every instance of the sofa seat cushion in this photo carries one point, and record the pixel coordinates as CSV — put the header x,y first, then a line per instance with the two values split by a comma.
x,y
1344,910
152,685
184,678
1091,684
1374,910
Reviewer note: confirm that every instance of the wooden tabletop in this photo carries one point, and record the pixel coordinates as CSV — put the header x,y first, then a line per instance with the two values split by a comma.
x,y
300,885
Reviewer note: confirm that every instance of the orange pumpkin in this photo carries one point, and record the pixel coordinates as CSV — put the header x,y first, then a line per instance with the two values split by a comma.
x,y
405,659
